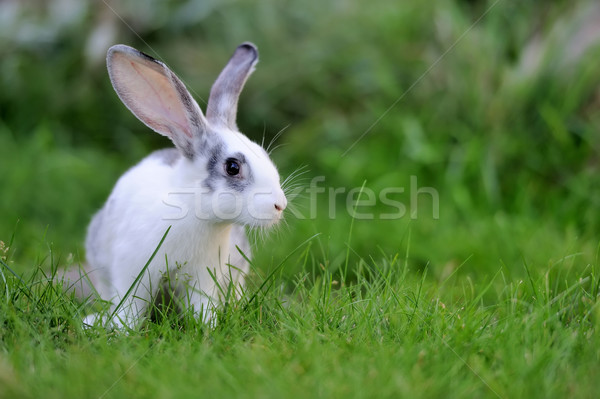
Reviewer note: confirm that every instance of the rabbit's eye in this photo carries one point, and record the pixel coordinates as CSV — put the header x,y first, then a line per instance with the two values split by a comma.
x,y
232,167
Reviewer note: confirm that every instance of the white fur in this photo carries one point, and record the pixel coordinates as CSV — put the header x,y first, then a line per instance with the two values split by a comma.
x,y
155,195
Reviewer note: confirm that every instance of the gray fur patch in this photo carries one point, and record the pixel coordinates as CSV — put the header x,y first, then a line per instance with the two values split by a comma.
x,y
188,103
93,233
225,92
213,165
183,143
79,280
236,183
167,155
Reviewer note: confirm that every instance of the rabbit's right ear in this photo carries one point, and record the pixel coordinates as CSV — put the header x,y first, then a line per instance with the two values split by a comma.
x,y
156,96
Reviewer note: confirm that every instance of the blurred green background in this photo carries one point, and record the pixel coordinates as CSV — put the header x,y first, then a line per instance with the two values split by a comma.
x,y
494,104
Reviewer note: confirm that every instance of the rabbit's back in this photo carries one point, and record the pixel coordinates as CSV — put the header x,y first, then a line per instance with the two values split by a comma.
x,y
132,221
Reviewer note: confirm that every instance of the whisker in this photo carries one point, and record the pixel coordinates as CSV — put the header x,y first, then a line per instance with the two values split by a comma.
x,y
294,175
262,143
296,183
278,146
274,139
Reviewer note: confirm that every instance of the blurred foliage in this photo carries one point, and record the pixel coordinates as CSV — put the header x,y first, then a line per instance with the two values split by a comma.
x,y
487,102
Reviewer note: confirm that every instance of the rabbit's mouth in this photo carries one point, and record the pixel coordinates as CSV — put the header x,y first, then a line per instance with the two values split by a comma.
x,y
266,217
263,221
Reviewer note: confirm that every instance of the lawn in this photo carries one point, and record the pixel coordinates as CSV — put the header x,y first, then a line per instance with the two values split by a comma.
x,y
442,238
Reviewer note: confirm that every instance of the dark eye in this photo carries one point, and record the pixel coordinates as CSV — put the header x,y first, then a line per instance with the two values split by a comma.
x,y
232,167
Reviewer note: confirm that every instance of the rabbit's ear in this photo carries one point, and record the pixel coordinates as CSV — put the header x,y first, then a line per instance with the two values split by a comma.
x,y
223,100
156,96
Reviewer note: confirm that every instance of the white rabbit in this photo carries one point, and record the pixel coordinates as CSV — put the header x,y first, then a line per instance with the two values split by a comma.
x,y
206,189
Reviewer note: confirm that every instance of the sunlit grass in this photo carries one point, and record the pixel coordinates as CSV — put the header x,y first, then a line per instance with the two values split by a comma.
x,y
391,332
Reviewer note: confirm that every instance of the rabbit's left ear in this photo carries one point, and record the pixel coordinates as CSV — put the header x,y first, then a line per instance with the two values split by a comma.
x,y
222,103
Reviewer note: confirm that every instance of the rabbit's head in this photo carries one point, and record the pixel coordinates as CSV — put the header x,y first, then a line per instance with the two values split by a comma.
x,y
234,176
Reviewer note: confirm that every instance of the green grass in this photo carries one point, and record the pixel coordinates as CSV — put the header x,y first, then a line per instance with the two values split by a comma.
x,y
498,297
390,333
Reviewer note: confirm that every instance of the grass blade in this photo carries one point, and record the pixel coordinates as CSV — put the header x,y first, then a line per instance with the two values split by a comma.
x,y
139,276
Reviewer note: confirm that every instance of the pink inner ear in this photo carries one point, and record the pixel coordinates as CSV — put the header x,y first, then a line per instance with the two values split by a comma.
x,y
152,97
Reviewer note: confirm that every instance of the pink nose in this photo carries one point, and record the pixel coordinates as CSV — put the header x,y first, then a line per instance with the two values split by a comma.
x,y
280,202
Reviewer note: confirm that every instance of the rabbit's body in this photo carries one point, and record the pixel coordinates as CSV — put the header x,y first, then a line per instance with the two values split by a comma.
x,y
209,187
125,232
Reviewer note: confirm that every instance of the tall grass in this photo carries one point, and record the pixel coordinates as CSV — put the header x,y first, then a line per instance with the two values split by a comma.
x,y
391,332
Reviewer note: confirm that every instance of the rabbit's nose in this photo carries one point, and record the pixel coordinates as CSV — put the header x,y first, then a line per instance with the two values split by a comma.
x,y
281,203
